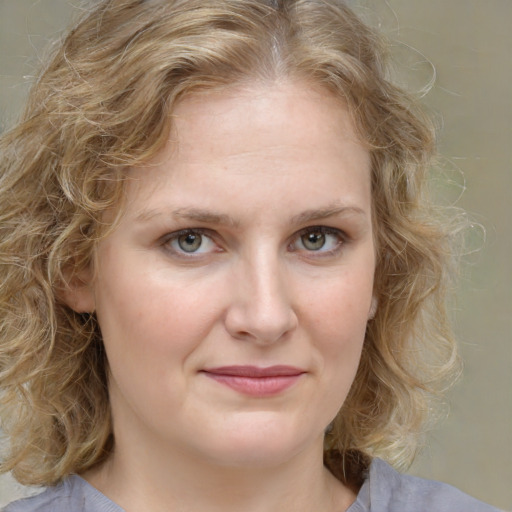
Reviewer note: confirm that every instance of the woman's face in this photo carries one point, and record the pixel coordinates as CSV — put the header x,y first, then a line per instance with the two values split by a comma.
x,y
234,295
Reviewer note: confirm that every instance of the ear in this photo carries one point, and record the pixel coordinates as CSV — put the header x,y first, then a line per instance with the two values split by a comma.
x,y
78,293
373,308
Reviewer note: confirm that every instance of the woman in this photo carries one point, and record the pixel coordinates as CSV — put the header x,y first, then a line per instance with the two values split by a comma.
x,y
223,285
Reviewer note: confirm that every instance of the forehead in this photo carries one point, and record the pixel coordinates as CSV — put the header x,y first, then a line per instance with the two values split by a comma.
x,y
266,108
288,136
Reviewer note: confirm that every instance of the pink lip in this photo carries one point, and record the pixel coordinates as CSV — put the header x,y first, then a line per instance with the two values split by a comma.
x,y
256,381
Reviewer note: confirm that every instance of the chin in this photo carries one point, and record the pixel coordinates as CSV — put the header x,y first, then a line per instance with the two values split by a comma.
x,y
261,444
255,457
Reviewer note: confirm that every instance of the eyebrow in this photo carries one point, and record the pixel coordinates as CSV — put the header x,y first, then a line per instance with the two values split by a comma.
x,y
213,217
324,213
191,214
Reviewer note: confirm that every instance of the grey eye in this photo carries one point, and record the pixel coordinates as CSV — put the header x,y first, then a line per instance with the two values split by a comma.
x,y
318,241
190,242
313,241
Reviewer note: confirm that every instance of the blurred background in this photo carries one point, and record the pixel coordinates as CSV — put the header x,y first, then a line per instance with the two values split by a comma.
x,y
469,42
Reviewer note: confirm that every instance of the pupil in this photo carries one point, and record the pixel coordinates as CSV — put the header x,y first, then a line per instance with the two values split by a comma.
x,y
313,241
190,242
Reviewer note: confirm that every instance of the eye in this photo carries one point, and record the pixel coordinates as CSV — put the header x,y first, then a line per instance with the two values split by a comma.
x,y
319,239
190,241
313,241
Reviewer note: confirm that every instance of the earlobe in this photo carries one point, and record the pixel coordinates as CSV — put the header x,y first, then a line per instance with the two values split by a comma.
x,y
78,294
373,308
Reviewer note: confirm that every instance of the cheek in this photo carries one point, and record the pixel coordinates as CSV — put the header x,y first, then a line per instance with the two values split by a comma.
x,y
337,316
151,319
341,305
150,326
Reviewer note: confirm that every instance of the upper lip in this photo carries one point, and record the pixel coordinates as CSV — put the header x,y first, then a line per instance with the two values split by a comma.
x,y
256,371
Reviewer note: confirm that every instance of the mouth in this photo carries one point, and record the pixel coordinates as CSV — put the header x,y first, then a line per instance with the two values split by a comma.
x,y
256,381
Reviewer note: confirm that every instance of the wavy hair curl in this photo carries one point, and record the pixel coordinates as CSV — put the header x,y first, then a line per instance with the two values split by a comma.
x,y
103,103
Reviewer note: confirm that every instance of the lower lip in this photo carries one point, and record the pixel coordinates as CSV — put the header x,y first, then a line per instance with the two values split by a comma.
x,y
256,386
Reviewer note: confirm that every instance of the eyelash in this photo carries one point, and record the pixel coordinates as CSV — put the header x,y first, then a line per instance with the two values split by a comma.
x,y
167,240
342,237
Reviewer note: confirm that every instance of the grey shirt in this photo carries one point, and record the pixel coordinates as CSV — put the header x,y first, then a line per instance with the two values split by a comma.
x,y
384,490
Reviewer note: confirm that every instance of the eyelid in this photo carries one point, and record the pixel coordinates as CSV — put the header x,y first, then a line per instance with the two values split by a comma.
x,y
165,242
180,232
342,236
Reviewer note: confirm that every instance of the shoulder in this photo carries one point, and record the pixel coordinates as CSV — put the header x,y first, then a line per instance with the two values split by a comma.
x,y
72,495
386,490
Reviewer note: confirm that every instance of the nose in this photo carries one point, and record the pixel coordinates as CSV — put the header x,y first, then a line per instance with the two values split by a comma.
x,y
260,309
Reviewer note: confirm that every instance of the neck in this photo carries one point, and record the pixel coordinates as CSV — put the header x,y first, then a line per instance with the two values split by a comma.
x,y
170,482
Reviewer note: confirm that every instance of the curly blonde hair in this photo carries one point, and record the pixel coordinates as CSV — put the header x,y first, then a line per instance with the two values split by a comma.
x,y
103,103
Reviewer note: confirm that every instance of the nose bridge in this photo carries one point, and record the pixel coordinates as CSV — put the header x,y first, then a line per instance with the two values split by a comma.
x,y
267,284
261,308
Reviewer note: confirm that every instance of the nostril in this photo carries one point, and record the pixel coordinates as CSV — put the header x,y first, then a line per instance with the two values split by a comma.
x,y
260,308
258,325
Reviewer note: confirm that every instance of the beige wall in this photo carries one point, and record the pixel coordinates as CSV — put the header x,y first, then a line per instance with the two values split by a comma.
x,y
470,43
